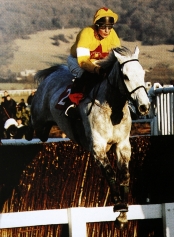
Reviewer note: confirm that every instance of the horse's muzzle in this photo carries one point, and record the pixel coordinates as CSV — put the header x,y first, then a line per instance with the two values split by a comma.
x,y
144,109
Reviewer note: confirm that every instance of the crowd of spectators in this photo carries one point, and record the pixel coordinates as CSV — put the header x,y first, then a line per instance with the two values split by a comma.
x,y
14,117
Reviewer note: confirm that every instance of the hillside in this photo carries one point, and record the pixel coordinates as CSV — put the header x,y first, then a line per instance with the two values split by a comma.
x,y
39,51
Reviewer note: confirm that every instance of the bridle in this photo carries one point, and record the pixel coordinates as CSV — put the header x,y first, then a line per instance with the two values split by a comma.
x,y
128,93
138,87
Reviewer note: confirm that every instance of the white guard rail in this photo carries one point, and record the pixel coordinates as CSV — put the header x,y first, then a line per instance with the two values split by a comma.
x,y
77,218
17,92
162,109
165,110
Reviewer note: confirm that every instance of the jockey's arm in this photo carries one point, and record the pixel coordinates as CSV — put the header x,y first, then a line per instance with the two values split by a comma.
x,y
86,44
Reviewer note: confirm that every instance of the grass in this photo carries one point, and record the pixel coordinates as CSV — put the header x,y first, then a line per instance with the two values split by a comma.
x,y
40,51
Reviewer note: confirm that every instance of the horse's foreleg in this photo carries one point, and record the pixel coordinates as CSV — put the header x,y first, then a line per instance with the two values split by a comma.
x,y
110,176
123,151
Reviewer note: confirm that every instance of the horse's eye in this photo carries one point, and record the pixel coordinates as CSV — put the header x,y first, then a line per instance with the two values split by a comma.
x,y
125,77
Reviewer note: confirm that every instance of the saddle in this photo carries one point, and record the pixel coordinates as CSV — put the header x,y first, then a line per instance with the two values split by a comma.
x,y
80,87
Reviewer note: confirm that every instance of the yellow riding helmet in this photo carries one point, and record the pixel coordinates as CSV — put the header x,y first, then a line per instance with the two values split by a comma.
x,y
105,12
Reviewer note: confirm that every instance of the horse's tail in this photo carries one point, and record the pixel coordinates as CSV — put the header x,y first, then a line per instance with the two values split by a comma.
x,y
42,74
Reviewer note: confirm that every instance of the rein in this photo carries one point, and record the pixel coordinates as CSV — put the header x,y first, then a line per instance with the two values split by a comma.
x,y
93,100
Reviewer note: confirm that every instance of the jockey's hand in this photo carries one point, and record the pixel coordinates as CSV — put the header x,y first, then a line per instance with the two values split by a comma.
x,y
100,71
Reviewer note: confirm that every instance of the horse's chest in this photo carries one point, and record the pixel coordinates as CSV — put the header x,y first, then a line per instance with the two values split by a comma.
x,y
102,128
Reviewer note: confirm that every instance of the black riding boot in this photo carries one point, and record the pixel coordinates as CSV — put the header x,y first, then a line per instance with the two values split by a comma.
x,y
83,85
71,109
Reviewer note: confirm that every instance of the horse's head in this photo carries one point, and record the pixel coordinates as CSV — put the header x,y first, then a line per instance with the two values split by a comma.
x,y
133,76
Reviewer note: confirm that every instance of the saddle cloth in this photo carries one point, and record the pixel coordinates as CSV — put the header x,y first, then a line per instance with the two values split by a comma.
x,y
61,100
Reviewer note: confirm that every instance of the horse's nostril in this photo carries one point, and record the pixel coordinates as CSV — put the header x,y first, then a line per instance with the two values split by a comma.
x,y
143,109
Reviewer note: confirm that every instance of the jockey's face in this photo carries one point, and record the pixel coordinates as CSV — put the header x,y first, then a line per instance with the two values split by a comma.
x,y
104,30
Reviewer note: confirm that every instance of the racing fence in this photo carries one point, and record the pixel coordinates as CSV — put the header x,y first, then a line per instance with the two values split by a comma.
x,y
56,189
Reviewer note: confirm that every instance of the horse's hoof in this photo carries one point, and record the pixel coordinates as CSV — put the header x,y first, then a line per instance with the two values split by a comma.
x,y
121,225
120,207
29,134
43,139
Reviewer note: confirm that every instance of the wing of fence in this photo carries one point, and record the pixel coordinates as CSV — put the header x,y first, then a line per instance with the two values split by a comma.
x,y
162,110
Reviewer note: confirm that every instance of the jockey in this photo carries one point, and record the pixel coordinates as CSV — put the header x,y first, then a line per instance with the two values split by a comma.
x,y
92,43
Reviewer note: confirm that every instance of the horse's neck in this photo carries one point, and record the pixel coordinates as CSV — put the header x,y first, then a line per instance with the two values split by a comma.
x,y
110,89
114,75
110,93
115,89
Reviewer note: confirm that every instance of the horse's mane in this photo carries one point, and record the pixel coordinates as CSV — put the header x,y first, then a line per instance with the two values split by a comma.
x,y
111,59
107,61
123,51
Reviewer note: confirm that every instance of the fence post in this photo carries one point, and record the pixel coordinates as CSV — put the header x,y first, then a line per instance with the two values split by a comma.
x,y
168,219
77,222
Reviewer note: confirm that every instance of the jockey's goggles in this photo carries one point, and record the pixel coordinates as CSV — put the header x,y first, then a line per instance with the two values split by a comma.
x,y
103,27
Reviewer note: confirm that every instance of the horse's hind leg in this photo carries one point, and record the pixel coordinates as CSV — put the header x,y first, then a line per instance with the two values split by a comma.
x,y
42,132
29,133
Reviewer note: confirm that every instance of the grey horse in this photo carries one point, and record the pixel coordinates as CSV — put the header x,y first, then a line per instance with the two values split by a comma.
x,y
105,116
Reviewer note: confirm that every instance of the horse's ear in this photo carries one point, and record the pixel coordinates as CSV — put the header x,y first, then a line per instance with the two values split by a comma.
x,y
136,52
119,57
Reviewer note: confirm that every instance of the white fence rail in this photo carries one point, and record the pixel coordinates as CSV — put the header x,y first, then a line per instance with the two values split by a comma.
x,y
17,92
162,109
77,218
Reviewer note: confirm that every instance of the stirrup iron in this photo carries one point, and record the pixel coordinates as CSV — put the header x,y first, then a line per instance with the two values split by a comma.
x,y
71,106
